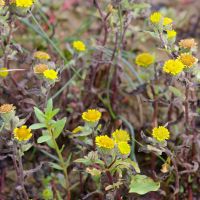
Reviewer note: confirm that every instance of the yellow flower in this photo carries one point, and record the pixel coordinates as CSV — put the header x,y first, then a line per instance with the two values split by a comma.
x,y
155,17
3,72
187,59
77,129
2,3
6,108
124,148
161,133
120,135
144,59
40,68
173,67
91,115
104,141
23,133
41,55
171,34
24,3
167,21
79,45
50,74
188,43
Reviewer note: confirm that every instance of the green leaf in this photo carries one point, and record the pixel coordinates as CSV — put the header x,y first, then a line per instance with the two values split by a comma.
x,y
49,115
49,107
55,166
58,127
43,138
39,114
142,184
37,126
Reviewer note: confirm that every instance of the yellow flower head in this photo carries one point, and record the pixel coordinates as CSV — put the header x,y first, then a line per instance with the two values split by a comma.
x,y
171,34
6,108
173,67
124,148
91,115
161,133
187,59
41,55
2,3
50,74
188,43
3,72
104,141
120,135
144,59
155,17
23,133
24,3
40,68
79,45
167,21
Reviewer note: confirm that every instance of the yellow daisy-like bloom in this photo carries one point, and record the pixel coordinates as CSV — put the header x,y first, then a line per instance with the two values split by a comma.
x,y
6,108
167,21
104,141
41,55
3,72
23,133
91,115
173,67
188,43
171,34
155,17
161,133
144,59
24,3
2,3
79,45
50,74
120,136
187,59
40,68
124,148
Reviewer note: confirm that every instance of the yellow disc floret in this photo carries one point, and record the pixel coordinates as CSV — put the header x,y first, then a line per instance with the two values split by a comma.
x,y
105,142
6,108
22,133
187,59
124,148
41,55
144,59
50,74
91,115
24,3
155,17
120,135
188,43
161,133
167,21
171,34
79,45
173,67
3,72
40,68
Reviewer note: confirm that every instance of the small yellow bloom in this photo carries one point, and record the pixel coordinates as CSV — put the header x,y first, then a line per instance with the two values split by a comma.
x,y
167,21
41,55
104,141
2,3
161,133
24,3
187,59
155,17
188,43
23,133
124,148
77,129
79,45
173,67
40,68
50,74
91,115
3,72
6,108
144,59
171,34
120,135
